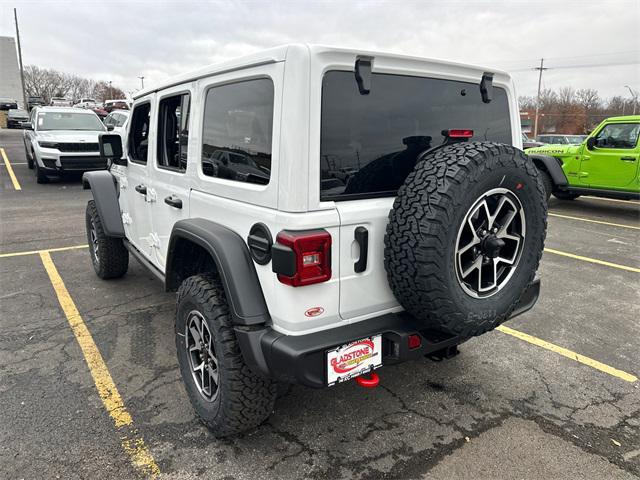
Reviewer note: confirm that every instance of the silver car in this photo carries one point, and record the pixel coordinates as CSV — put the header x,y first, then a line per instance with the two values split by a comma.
x,y
62,139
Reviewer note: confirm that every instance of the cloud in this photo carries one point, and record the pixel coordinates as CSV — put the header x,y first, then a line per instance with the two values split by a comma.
x,y
120,41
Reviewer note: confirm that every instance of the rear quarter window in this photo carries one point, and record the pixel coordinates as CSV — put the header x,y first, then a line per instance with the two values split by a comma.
x,y
370,143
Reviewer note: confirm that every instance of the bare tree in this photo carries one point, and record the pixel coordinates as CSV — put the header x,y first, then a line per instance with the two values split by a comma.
x,y
48,83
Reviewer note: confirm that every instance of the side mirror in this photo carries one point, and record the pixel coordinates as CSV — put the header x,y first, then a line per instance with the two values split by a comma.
x,y
110,128
111,148
27,125
591,143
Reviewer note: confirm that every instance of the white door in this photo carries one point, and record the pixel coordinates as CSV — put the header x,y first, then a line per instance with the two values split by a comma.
x,y
169,182
134,180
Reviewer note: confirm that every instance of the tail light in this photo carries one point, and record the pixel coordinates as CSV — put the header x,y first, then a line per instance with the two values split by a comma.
x,y
302,258
458,133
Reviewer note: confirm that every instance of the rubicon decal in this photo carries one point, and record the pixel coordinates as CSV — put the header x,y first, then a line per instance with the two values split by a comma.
x,y
314,312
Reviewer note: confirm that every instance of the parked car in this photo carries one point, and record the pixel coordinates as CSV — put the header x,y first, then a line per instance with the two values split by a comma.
x,y
110,105
528,143
34,101
16,117
62,139
561,139
7,104
117,122
61,102
283,277
86,103
101,112
605,165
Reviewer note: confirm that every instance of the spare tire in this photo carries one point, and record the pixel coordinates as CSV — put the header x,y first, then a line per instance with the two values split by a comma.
x,y
465,236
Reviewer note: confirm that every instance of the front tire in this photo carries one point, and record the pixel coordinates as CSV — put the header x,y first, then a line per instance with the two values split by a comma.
x,y
465,236
40,175
226,394
109,257
547,183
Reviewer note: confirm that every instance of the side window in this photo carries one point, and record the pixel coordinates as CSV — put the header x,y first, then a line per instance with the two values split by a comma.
x,y
109,120
121,120
618,135
238,125
173,132
139,135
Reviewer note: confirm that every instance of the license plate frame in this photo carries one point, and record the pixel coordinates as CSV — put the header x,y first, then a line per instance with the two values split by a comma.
x,y
352,359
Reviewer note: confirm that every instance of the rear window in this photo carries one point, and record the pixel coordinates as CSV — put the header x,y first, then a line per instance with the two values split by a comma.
x,y
370,143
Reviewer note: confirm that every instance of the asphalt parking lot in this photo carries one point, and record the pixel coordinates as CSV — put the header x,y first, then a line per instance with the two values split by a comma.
x,y
554,395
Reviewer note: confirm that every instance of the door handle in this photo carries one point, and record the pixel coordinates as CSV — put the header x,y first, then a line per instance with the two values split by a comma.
x,y
362,238
175,202
141,189
628,159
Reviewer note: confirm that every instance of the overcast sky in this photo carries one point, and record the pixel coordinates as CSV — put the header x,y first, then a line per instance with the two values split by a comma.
x,y
586,44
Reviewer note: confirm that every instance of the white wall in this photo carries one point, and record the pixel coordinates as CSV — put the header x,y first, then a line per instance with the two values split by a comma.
x,y
10,85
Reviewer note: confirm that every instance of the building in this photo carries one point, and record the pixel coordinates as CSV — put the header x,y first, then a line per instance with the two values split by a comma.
x,y
10,84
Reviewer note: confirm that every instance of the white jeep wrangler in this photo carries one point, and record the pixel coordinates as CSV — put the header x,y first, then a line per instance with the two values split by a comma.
x,y
321,212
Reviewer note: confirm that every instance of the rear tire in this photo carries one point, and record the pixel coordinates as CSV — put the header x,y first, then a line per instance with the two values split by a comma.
x,y
234,399
444,254
109,257
565,195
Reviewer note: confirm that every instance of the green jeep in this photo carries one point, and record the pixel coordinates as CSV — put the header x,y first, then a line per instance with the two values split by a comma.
x,y
604,165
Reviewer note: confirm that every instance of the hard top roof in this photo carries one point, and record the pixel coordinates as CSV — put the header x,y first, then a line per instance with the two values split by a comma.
x,y
278,54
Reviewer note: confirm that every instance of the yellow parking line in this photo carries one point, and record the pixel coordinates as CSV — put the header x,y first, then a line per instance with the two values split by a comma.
x,y
37,252
7,163
627,377
582,219
592,260
132,443
615,200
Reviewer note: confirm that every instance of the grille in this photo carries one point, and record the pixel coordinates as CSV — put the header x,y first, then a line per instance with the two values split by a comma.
x,y
78,147
82,163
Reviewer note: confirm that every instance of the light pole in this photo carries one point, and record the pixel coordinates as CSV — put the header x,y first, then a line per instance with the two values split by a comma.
x,y
109,92
535,124
141,82
634,96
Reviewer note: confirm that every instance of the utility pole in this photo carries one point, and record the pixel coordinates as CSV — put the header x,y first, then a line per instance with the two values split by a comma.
x,y
110,92
24,93
634,97
535,125
142,82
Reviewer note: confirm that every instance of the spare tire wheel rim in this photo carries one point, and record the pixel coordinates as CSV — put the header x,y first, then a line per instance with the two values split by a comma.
x,y
201,354
489,243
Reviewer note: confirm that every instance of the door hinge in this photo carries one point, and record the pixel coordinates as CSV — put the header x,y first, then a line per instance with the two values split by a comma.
x,y
154,240
126,219
151,195
124,183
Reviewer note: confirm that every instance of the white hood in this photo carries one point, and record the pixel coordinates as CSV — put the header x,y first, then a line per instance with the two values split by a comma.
x,y
68,136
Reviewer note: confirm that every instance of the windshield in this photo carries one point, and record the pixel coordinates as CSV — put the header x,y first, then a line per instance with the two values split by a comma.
x,y
18,113
69,121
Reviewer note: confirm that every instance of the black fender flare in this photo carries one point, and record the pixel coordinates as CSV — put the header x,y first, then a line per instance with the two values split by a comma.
x,y
233,263
105,193
552,167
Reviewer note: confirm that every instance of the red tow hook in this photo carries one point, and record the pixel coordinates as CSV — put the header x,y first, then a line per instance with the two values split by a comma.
x,y
371,381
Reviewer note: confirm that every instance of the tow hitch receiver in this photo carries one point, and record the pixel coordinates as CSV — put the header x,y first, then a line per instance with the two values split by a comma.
x,y
444,354
370,381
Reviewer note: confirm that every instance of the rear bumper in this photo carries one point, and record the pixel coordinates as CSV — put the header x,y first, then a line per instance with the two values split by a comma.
x,y
301,359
